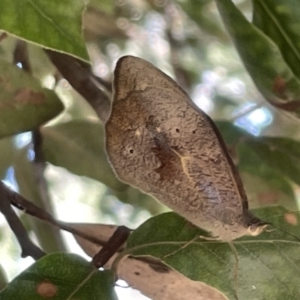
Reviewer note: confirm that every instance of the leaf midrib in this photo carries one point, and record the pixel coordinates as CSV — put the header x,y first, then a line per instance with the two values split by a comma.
x,y
81,284
280,28
50,20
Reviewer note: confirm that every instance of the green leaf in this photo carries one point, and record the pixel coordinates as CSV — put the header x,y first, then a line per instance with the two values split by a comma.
x,y
3,278
24,104
280,154
52,24
60,276
265,187
274,165
276,161
267,266
78,146
260,55
280,20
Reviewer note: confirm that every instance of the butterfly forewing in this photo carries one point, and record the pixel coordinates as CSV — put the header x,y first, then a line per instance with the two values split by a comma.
x,y
159,142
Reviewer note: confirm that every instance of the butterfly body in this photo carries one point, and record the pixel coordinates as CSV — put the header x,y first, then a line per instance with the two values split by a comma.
x,y
159,142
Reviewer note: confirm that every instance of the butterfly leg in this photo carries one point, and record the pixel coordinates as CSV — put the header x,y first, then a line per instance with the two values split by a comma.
x,y
190,242
182,247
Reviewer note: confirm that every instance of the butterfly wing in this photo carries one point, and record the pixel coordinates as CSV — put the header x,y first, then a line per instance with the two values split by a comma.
x,y
158,141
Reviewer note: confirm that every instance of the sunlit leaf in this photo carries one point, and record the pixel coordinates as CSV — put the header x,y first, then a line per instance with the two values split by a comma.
x,y
52,24
272,258
61,276
24,104
280,20
259,54
147,276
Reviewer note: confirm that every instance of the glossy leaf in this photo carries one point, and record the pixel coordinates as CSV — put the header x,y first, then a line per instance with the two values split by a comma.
x,y
259,54
24,104
280,20
267,266
52,24
147,276
60,276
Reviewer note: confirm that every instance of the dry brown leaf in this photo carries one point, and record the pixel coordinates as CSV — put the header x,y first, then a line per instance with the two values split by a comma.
x,y
147,275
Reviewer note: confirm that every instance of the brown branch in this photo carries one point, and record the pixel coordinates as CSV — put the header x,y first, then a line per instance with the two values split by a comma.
x,y
117,239
112,246
30,208
27,246
83,81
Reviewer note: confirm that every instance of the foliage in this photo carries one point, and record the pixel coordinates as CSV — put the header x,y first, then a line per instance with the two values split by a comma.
x,y
191,40
61,276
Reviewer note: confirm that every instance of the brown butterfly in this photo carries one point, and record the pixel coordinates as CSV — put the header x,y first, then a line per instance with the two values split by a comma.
x,y
158,141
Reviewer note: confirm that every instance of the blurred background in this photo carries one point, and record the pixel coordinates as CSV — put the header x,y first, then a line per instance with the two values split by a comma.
x,y
186,40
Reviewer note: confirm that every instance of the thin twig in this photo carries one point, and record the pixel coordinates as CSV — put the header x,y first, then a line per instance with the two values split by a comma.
x,y
112,246
83,81
30,208
27,246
